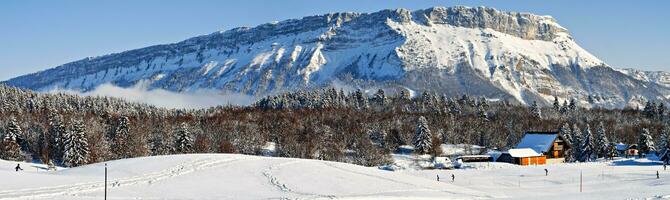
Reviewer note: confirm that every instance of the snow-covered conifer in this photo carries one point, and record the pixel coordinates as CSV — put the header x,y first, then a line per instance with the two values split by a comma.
x,y
646,142
76,145
566,133
573,105
564,107
423,139
380,98
557,105
601,142
664,142
183,139
56,133
587,145
121,139
535,109
577,141
10,146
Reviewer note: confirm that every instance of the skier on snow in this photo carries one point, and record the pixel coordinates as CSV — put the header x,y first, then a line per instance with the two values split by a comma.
x,y
18,167
452,177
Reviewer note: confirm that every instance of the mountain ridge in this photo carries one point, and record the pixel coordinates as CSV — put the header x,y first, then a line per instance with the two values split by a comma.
x,y
461,50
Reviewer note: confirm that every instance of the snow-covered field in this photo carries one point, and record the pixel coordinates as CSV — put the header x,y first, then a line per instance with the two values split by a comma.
x,y
228,176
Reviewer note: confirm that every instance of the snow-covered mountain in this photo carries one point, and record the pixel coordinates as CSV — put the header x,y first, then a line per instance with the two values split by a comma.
x,y
457,50
658,77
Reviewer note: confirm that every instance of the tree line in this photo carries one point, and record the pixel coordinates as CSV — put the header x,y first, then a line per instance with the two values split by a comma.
x,y
328,124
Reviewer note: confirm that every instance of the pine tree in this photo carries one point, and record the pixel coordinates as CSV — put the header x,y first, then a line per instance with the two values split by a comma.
x,y
564,108
121,139
423,137
573,105
380,98
601,142
482,113
664,142
661,111
76,145
535,109
577,141
557,105
11,150
566,133
646,142
587,147
183,139
650,109
56,133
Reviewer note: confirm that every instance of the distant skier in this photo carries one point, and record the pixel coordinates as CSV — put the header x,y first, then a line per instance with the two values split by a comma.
x,y
438,177
546,172
657,175
18,167
665,166
453,177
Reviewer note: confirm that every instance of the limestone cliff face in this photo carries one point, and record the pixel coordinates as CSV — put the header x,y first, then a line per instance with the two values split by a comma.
x,y
523,25
458,50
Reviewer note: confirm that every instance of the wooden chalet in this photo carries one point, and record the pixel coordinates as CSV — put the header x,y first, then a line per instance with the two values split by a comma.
x,y
536,148
549,144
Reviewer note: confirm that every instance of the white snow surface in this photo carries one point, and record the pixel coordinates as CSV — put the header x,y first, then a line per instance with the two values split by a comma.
x,y
230,176
523,152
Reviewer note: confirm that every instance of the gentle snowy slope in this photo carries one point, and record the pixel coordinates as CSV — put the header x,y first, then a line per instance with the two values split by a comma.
x,y
227,176
221,177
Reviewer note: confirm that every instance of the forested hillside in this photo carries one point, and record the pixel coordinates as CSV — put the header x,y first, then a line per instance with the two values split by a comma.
x,y
329,124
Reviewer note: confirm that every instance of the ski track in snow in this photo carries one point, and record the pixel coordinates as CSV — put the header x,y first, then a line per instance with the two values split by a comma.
x,y
274,181
76,189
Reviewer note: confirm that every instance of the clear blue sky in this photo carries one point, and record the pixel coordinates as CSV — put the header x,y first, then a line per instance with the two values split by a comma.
x,y
36,35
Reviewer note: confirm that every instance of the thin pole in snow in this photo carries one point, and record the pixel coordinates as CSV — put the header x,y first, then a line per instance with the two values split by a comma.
x,y
580,180
105,181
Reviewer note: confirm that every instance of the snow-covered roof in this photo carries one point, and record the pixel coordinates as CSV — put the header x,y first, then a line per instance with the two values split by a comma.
x,y
621,147
540,142
523,152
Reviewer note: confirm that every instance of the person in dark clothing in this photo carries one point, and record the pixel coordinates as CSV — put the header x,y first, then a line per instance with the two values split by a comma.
x,y
18,167
657,175
452,177
665,166
546,172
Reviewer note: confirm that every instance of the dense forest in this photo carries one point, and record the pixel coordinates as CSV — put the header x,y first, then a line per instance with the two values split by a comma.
x,y
329,124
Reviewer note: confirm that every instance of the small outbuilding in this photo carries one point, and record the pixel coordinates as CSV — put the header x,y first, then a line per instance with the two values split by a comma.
x,y
523,156
475,158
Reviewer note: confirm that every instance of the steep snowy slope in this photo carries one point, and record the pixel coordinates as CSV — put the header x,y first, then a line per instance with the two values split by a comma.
x,y
459,50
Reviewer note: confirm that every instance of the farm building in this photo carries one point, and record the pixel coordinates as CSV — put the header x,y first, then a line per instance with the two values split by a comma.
x,y
632,150
524,156
621,149
549,144
475,158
